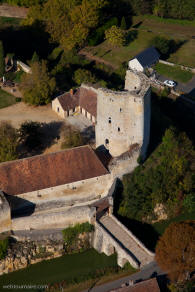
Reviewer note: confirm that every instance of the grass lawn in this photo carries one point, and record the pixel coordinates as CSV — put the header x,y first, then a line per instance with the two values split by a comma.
x,y
174,72
147,27
117,56
75,267
6,99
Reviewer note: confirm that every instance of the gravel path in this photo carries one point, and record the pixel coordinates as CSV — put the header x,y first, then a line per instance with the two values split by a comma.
x,y
20,112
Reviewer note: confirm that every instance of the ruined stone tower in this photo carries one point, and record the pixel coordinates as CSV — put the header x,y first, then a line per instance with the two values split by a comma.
x,y
123,118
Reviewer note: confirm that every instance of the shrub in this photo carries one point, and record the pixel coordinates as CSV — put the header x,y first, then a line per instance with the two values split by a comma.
x,y
71,234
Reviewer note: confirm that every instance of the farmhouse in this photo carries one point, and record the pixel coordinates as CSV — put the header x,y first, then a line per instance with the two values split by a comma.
x,y
83,101
144,60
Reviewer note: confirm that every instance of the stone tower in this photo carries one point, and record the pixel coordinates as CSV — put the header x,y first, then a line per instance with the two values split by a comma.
x,y
123,118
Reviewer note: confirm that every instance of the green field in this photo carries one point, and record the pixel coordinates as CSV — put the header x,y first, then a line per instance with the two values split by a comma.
x,y
75,268
147,27
6,99
174,72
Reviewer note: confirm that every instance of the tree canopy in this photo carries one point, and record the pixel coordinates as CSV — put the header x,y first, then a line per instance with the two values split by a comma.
x,y
115,36
166,178
175,251
38,87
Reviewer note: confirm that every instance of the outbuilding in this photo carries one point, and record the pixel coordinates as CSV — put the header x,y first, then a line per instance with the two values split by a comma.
x,y
144,60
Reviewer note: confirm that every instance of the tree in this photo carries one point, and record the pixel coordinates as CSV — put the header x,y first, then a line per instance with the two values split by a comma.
x,y
84,76
2,62
123,23
162,44
38,87
8,142
115,36
165,178
175,251
30,134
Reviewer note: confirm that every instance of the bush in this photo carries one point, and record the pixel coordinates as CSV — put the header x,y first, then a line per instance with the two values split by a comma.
x,y
3,248
71,235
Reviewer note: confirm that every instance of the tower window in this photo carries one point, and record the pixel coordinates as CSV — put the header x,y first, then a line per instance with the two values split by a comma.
x,y
109,120
58,109
119,129
106,141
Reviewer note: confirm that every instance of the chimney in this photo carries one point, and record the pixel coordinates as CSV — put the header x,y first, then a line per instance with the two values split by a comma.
x,y
71,92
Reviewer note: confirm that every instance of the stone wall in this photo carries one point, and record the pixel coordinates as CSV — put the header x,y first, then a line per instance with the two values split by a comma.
x,y
22,254
59,218
5,214
66,195
122,117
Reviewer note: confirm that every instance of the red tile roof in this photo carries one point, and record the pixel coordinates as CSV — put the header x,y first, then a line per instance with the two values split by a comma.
x,y
68,101
150,285
50,170
86,98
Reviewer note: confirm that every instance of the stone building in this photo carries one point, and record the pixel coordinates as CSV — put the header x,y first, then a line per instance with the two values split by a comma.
x,y
83,101
123,118
67,182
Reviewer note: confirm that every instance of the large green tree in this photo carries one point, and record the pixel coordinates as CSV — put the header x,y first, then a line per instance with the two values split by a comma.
x,y
115,36
69,22
38,87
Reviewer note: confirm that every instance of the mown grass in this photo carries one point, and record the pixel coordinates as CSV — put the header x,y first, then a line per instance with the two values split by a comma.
x,y
6,99
174,72
73,268
169,20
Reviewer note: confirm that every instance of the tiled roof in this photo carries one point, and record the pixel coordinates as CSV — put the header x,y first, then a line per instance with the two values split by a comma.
x,y
150,285
88,100
148,57
84,97
50,170
68,101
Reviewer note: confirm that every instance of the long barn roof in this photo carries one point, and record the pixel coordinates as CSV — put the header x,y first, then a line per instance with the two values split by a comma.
x,y
50,170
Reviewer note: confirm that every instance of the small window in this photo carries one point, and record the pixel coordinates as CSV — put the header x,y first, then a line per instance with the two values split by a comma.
x,y
58,109
121,110
109,121
119,129
106,141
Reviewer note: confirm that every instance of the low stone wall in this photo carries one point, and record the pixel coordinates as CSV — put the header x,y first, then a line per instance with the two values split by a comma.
x,y
5,214
55,219
22,254
181,66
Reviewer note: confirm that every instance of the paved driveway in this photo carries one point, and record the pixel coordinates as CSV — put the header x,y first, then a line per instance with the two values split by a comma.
x,y
149,271
188,87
